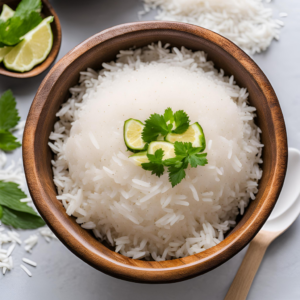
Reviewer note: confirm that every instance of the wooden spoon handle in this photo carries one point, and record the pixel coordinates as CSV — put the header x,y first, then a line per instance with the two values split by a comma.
x,y
243,279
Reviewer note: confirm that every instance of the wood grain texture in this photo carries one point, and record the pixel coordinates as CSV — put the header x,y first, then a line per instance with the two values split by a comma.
x,y
103,47
47,11
243,279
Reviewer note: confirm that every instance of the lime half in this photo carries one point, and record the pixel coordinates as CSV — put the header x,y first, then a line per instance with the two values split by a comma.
x,y
133,135
7,13
169,151
33,50
139,158
194,135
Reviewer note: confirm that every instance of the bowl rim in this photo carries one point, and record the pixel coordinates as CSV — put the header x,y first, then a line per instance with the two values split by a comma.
x,y
160,272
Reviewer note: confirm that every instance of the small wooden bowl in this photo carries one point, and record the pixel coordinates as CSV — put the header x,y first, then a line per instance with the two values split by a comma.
x,y
103,47
47,11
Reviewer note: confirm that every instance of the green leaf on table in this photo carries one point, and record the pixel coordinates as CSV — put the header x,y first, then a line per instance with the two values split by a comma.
x,y
9,116
8,142
15,213
21,220
10,196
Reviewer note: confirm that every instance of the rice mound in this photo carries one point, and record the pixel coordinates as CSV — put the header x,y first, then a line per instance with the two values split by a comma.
x,y
139,214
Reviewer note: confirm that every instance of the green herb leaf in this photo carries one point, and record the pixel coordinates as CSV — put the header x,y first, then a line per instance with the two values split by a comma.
x,y
26,6
197,160
12,31
10,196
8,142
9,116
177,160
182,121
154,126
176,174
169,116
21,220
156,157
15,213
155,163
181,148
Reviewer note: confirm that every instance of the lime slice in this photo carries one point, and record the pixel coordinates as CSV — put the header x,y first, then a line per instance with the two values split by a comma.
x,y
139,158
33,50
168,148
133,135
7,13
3,52
194,135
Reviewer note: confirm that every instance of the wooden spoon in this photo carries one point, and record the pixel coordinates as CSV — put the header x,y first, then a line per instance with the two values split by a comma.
x,y
286,211
47,10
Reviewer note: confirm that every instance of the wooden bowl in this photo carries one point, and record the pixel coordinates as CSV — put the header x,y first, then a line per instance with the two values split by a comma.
x,y
47,11
103,47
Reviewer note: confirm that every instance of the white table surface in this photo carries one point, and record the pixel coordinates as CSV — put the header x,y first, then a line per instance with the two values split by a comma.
x,y
61,275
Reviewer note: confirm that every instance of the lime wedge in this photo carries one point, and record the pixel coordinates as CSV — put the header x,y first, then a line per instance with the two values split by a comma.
x,y
33,50
168,148
193,135
139,158
3,52
133,135
7,13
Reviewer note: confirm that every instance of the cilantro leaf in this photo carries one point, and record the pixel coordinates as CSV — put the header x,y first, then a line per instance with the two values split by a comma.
x,y
182,148
182,121
197,160
155,163
16,213
176,174
157,156
154,126
177,161
194,150
156,169
26,6
21,220
8,142
10,196
9,116
12,30
168,115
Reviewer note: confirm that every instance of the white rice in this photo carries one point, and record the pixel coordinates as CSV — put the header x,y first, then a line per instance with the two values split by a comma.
x,y
136,212
247,23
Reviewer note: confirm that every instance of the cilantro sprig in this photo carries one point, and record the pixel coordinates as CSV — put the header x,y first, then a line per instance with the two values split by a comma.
x,y
13,212
186,155
163,124
9,118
